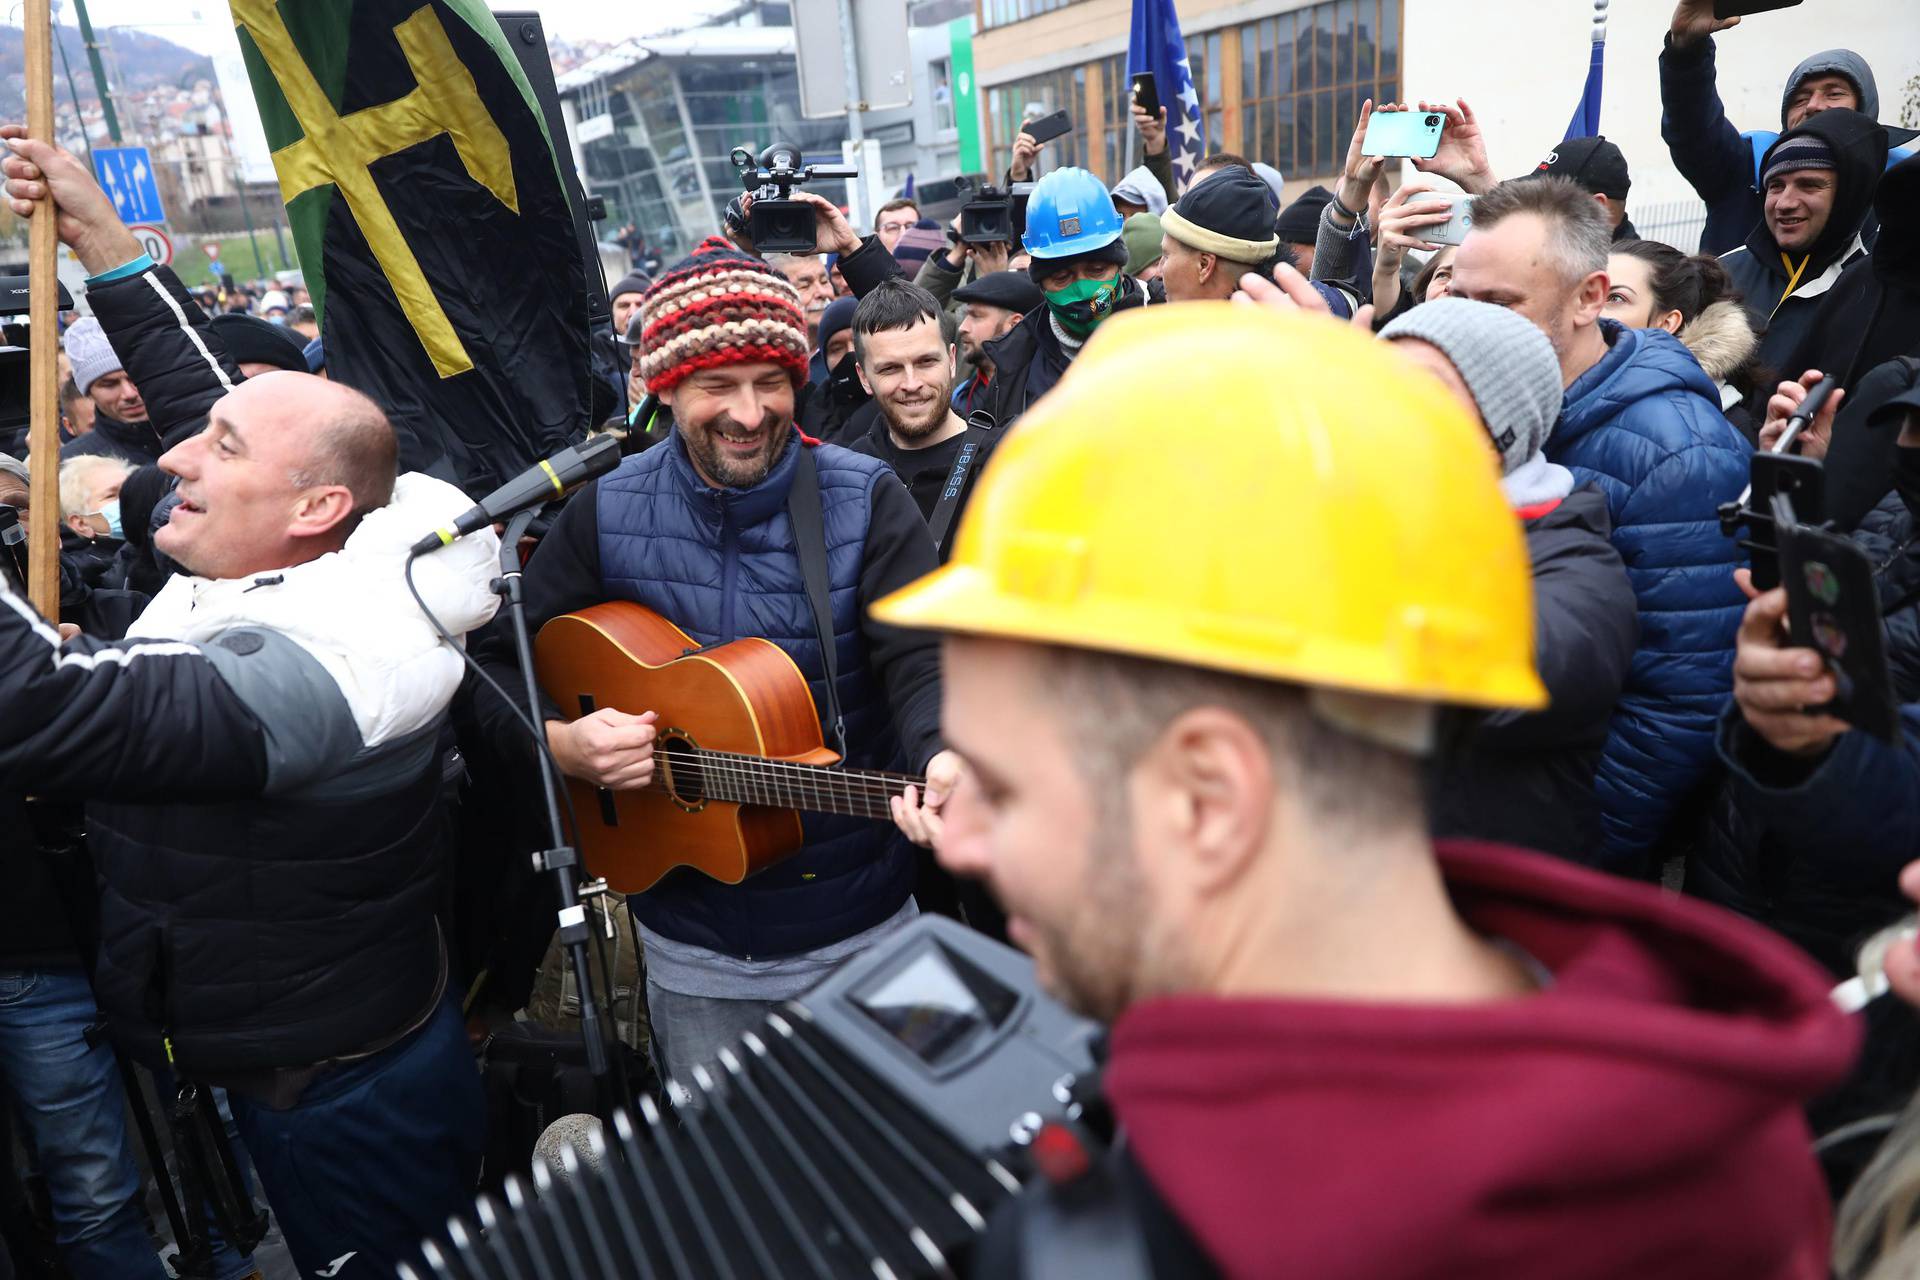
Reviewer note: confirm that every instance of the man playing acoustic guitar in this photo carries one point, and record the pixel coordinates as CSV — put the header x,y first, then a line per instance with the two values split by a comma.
x,y
701,530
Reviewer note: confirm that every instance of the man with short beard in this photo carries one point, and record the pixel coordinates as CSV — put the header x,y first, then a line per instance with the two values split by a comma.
x,y
1643,422
701,530
992,306
907,366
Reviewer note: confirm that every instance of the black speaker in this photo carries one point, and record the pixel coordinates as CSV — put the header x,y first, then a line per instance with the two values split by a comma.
x,y
529,42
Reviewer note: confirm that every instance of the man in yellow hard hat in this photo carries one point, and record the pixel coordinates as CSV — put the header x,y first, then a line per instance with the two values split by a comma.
x,y
1195,698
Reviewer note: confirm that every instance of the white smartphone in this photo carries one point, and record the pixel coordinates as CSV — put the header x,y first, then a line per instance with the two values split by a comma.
x,y
1454,229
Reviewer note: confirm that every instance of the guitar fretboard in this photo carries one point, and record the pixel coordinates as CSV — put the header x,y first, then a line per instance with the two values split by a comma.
x,y
696,773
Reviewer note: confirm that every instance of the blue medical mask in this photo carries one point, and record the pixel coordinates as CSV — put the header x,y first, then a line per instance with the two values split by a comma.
x,y
111,510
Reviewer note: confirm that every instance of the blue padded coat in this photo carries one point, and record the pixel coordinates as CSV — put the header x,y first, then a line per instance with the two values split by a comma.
x,y
1644,425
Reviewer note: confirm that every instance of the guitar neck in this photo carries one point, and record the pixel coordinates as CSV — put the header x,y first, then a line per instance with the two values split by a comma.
x,y
742,779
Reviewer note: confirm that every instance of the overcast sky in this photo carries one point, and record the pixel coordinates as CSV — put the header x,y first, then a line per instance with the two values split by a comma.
x,y
181,21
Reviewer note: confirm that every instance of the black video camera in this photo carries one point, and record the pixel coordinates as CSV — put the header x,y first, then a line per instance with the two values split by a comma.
x,y
777,223
995,215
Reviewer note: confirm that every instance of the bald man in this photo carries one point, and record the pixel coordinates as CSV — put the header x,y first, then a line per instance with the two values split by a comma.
x,y
262,776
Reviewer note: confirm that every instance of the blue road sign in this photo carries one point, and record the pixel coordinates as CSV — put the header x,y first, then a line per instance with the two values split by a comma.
x,y
127,175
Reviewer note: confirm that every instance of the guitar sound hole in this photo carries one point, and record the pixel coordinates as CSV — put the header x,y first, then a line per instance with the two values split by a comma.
x,y
681,771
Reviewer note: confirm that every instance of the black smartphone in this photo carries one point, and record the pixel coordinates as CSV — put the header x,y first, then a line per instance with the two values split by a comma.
x,y
1741,8
1834,608
1145,95
1803,482
1047,128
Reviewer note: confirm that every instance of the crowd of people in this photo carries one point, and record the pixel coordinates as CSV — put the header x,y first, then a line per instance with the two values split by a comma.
x,y
1320,647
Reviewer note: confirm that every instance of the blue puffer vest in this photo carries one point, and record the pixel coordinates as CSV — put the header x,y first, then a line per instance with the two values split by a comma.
x,y
720,564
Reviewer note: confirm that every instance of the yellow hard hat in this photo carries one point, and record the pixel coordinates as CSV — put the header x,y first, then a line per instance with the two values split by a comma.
x,y
1231,487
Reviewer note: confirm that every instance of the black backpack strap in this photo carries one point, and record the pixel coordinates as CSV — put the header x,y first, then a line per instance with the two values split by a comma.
x,y
953,494
810,544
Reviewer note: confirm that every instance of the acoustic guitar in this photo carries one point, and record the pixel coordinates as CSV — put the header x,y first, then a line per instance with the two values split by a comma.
x,y
737,758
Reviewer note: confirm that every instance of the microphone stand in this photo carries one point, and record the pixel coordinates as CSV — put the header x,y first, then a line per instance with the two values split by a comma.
x,y
560,859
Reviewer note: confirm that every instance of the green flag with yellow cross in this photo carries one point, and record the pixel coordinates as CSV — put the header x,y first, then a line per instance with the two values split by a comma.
x,y
432,225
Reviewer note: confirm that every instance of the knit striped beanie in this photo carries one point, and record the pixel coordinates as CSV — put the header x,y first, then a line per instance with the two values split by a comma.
x,y
719,307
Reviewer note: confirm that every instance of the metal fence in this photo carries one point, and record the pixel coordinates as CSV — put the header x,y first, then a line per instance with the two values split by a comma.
x,y
1675,222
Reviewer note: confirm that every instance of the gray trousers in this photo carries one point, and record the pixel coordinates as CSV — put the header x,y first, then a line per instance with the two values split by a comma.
x,y
690,1031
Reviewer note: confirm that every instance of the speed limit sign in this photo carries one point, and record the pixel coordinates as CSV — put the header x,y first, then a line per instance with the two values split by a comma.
x,y
154,240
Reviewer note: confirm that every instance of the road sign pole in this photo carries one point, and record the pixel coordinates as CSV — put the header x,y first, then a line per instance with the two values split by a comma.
x,y
856,187
246,216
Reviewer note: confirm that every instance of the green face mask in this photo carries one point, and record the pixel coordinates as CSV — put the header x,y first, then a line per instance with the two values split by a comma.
x,y
1083,304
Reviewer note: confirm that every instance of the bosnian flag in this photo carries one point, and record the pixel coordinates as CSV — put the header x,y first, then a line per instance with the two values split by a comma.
x,y
1157,46
1586,116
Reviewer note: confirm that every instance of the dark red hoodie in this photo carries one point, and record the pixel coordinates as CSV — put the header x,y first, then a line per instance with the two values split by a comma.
x,y
1638,1118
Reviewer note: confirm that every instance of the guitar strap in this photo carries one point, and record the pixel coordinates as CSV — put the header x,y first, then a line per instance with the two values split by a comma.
x,y
973,445
810,544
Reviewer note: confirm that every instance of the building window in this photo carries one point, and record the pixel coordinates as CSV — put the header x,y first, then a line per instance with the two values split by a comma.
x,y
999,13
942,76
1010,106
1303,76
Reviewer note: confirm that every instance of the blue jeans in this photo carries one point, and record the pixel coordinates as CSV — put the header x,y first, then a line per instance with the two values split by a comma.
x,y
375,1156
73,1113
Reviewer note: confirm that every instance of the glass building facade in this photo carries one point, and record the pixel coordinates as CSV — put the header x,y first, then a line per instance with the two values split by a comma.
x,y
1285,90
663,128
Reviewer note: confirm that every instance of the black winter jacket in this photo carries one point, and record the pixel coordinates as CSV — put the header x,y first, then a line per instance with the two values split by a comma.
x,y
266,890
1780,848
139,443
1764,274
1718,161
169,350
1526,779
1029,358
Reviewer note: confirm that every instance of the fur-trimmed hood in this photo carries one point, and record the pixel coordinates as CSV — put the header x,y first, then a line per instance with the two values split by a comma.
x,y
1722,338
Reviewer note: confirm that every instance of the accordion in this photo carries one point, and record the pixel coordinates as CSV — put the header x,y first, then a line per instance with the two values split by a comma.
x,y
869,1127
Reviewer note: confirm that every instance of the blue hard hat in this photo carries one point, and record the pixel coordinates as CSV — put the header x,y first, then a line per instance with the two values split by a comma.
x,y
1070,213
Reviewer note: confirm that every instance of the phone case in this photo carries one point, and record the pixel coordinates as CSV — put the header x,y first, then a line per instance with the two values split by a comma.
x,y
1833,607
1803,482
1404,133
1047,128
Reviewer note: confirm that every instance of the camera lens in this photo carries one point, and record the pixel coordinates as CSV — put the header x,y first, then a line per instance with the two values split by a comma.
x,y
1432,121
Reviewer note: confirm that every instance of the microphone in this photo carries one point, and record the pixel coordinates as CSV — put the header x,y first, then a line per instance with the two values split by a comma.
x,y
543,482
578,1131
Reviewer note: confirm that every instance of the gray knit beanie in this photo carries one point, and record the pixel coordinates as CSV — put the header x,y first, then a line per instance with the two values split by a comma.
x,y
91,355
1506,362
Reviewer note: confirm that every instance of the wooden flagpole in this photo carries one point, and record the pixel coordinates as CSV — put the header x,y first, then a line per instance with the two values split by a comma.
x,y
43,449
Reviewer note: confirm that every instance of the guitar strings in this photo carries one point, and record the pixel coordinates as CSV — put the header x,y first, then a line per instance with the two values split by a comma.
x,y
754,770
768,777
733,759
